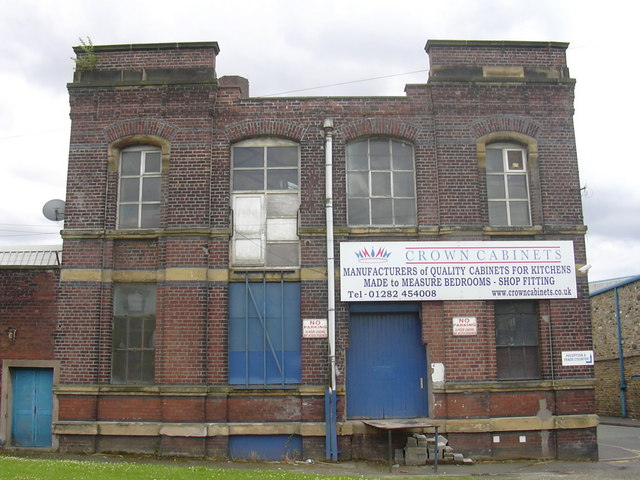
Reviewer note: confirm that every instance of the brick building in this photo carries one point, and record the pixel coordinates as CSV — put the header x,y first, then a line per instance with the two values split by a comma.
x,y
615,311
29,278
201,312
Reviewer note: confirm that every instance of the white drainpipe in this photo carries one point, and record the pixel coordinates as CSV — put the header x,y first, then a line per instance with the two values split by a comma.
x,y
331,300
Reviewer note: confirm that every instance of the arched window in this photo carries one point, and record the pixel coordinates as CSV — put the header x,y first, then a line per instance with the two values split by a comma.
x,y
381,186
265,201
507,185
139,191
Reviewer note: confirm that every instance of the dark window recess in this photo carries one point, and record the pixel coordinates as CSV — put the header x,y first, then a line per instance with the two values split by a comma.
x,y
134,324
517,340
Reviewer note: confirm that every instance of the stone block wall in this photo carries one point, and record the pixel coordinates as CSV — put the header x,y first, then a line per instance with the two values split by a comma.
x,y
607,344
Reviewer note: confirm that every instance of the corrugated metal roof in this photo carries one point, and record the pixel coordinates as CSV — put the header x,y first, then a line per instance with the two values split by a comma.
x,y
602,286
31,256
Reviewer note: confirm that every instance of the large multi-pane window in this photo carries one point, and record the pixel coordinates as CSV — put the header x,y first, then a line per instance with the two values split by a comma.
x,y
265,203
134,323
264,333
140,186
507,185
517,339
381,186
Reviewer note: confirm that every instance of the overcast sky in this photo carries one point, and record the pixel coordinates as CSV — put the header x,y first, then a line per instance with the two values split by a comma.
x,y
286,46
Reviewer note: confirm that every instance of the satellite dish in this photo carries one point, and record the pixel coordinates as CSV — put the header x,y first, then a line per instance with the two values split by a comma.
x,y
54,210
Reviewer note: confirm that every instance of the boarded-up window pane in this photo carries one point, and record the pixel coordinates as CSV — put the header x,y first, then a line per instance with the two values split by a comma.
x,y
283,254
279,229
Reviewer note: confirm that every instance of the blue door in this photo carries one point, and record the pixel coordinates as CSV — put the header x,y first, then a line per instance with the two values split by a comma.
x,y
386,366
31,407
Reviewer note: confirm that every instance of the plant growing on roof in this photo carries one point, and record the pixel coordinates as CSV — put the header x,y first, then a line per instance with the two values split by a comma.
x,y
89,59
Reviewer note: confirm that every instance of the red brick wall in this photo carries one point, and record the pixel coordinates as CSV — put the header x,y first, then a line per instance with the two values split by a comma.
x,y
201,122
77,407
186,408
572,402
520,403
266,409
84,332
442,120
498,54
28,303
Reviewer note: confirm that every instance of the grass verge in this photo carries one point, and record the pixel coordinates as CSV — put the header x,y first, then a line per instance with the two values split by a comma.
x,y
27,468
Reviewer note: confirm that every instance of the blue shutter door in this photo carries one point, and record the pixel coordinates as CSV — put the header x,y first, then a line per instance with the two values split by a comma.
x,y
386,366
31,406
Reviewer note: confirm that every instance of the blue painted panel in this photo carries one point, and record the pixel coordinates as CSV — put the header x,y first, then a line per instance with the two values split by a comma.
x,y
31,407
386,361
23,407
384,307
265,447
44,405
253,364
264,333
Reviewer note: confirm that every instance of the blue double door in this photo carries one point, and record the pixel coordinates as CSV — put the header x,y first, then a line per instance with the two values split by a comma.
x,y
386,366
32,403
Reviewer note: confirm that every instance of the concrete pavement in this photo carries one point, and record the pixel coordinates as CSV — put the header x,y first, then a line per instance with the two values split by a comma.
x,y
619,421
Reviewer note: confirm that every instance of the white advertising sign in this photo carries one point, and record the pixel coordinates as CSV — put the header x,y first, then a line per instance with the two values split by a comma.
x,y
584,357
406,271
314,328
465,326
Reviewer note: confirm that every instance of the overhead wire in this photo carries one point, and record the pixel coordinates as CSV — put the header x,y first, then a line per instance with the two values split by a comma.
x,y
343,83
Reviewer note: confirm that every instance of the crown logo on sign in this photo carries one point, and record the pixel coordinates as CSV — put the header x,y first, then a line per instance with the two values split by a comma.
x,y
373,255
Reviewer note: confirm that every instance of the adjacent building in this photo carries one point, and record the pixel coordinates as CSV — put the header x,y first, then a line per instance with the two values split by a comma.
x,y
29,280
615,310
256,277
